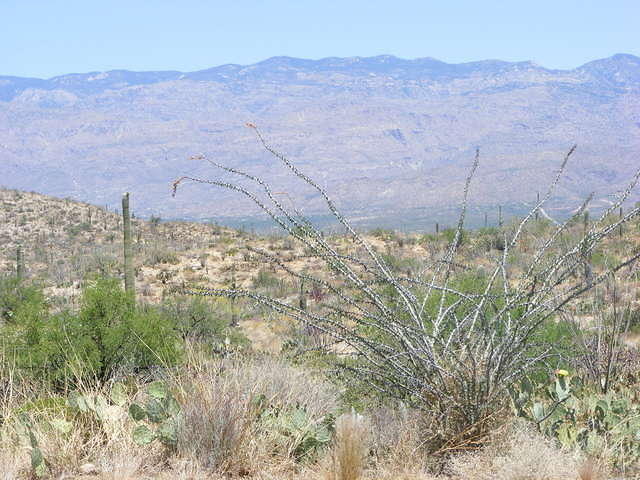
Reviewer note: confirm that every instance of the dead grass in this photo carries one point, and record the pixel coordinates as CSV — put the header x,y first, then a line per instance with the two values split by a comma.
x,y
220,431
221,438
397,440
523,455
350,447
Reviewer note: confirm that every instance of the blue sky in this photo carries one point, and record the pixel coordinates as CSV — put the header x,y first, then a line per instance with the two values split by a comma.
x,y
43,38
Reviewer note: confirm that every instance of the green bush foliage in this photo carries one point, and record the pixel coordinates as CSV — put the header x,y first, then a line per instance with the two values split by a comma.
x,y
201,320
162,256
17,298
107,335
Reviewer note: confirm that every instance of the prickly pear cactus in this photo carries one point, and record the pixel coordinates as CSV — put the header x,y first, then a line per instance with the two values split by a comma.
x,y
159,417
38,464
294,429
578,415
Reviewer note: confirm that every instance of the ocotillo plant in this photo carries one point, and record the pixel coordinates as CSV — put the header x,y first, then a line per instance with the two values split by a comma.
x,y
430,340
19,263
129,285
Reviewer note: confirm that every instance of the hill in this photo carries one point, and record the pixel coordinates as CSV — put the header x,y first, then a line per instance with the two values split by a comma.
x,y
392,139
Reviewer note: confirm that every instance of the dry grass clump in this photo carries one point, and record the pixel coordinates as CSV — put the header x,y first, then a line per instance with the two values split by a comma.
x,y
350,447
523,455
284,384
12,465
217,431
397,440
87,445
221,431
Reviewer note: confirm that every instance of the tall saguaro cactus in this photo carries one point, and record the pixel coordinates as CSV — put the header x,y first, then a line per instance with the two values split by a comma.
x,y
129,281
19,263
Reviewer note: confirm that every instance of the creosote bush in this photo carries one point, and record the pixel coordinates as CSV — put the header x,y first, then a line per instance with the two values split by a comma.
x,y
108,335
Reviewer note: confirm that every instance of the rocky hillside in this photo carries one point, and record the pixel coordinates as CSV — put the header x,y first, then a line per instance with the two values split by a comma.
x,y
391,139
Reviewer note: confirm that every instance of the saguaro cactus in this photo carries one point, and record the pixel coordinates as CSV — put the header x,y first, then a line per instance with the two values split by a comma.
x,y
302,299
585,222
234,286
129,280
19,263
620,231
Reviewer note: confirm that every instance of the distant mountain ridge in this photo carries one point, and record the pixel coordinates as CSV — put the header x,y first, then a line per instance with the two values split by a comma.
x,y
391,138
281,67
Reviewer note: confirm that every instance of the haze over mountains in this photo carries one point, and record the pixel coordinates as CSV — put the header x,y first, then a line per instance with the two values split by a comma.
x,y
391,139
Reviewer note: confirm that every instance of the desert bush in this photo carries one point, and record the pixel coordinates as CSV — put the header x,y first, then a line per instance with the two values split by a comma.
x,y
452,234
600,345
18,298
108,334
265,280
203,321
161,256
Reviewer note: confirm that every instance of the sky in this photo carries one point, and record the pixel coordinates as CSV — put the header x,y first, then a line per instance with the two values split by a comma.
x,y
44,38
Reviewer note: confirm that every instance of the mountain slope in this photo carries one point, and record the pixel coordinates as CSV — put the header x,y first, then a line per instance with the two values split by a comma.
x,y
391,139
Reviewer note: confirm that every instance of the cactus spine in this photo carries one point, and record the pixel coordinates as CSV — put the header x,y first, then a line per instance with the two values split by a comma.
x,y
129,280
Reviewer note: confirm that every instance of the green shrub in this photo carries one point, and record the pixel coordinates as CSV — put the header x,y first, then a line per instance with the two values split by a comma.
x,y
198,319
157,256
450,235
108,334
266,280
17,298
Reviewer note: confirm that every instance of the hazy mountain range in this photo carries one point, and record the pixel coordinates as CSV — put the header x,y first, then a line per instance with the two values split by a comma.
x,y
390,139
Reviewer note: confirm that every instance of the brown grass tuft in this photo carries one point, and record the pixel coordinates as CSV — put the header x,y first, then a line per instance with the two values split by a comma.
x,y
350,447
521,455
